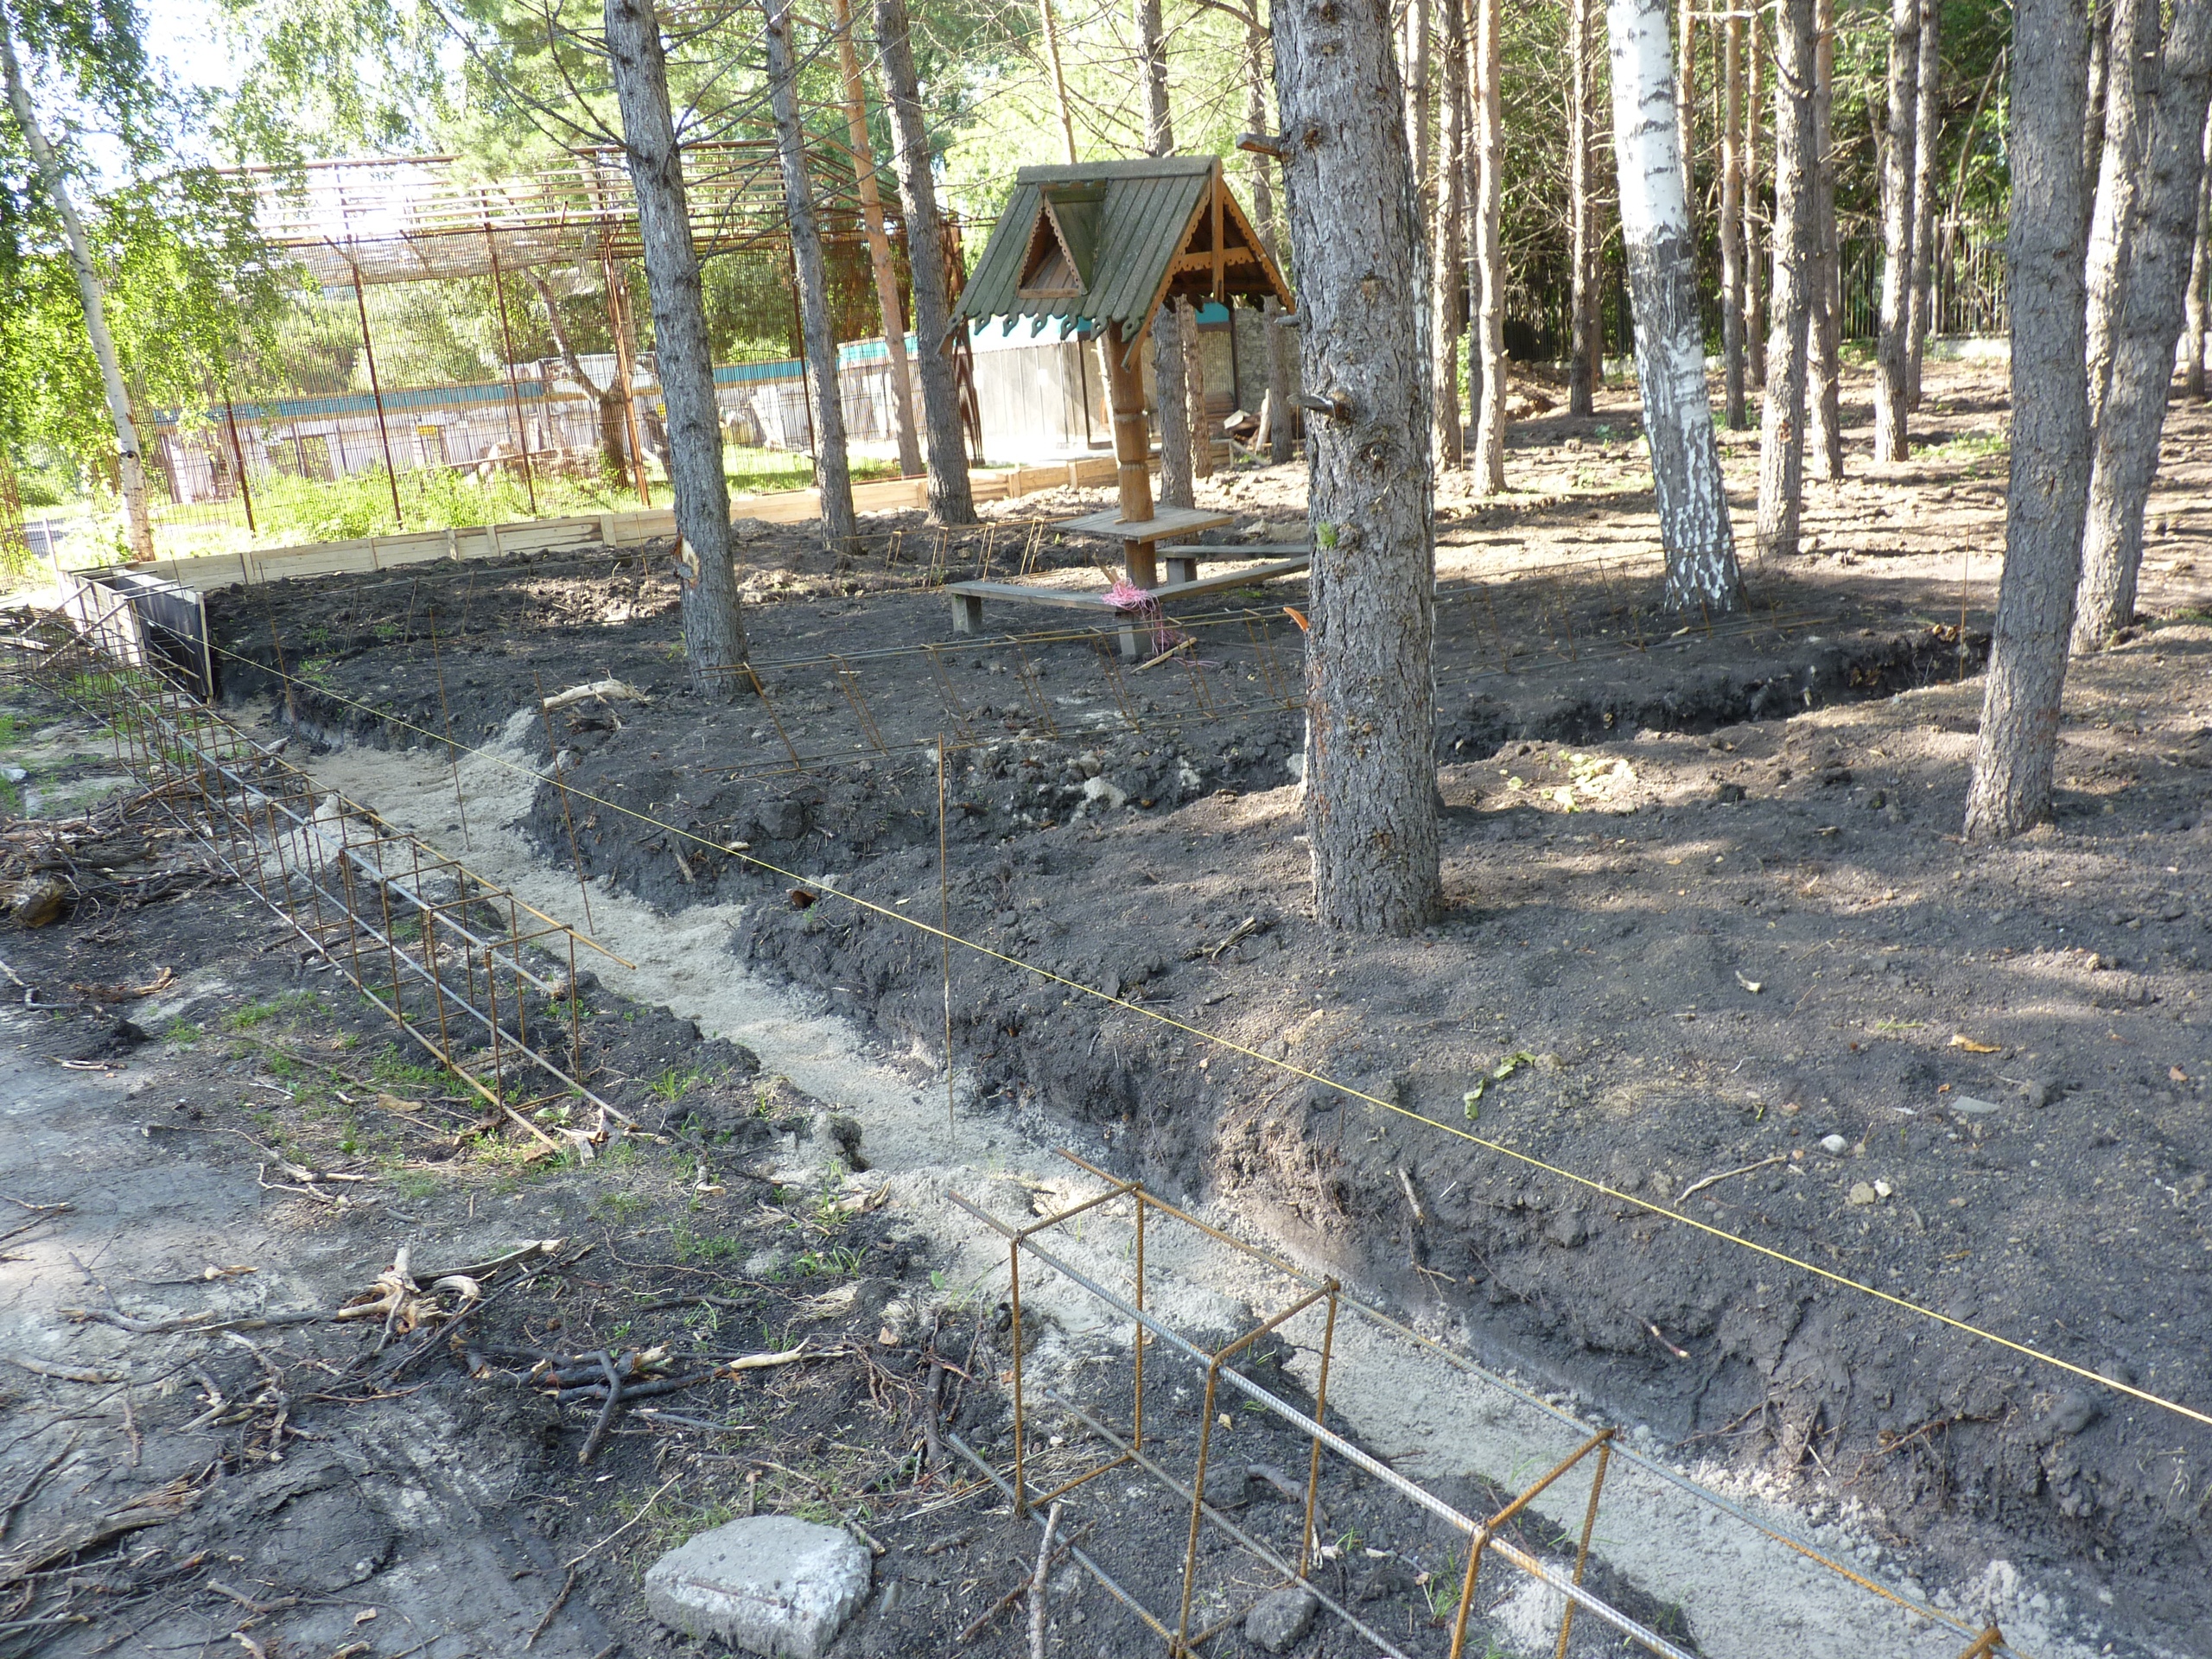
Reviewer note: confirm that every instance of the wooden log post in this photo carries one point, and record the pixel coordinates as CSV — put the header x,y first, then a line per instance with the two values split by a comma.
x,y
1132,450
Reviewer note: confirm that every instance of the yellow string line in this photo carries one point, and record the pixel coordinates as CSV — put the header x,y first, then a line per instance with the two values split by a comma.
x,y
1236,1047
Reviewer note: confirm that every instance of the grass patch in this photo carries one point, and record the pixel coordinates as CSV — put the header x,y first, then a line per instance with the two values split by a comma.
x,y
182,1032
254,1014
708,1250
677,1082
833,1261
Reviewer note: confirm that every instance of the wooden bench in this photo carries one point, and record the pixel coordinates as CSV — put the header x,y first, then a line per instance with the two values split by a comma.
x,y
968,597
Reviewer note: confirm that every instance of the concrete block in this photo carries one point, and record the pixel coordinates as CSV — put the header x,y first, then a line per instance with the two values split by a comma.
x,y
769,1585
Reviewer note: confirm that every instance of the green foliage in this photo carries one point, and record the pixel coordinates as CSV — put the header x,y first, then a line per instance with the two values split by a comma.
x,y
255,1015
672,1085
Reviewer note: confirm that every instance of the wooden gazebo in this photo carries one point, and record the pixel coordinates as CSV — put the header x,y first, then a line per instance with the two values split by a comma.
x,y
1106,244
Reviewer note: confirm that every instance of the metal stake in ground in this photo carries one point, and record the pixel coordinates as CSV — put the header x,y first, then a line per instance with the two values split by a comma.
x,y
445,710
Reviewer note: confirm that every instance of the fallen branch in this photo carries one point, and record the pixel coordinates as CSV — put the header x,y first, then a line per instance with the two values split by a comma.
x,y
165,1503
602,690
1037,1584
207,1322
248,1602
598,1435
65,1373
1696,1187
559,1602
984,1622
575,1562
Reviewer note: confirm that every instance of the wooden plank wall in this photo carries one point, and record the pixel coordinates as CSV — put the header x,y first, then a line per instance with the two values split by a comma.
x,y
607,530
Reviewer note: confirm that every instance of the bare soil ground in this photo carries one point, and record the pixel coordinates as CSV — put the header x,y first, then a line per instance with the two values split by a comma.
x,y
1708,915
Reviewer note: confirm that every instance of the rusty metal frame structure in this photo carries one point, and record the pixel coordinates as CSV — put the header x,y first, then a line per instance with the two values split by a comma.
x,y
445,955
1484,1536
405,218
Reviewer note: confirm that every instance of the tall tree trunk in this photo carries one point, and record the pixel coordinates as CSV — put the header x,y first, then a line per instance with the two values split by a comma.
x,y
2131,96
1732,221
622,384
1755,308
2093,107
1585,325
2125,456
879,244
951,501
1421,94
1194,388
1927,130
1670,337
1893,347
1283,369
1824,415
713,631
2199,255
1059,81
832,475
92,294
1797,262
1355,219
1488,340
2050,483
611,401
1447,255
1169,396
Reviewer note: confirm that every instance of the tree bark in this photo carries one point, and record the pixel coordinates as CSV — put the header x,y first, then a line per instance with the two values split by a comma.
x,y
1824,415
1169,396
1489,341
1586,327
2124,455
1669,338
2193,360
1893,347
1797,262
2131,95
713,631
2093,105
1419,95
1755,307
879,244
92,294
1927,108
1732,221
1282,371
2011,787
1194,389
832,475
1370,797
1446,253
611,399
951,501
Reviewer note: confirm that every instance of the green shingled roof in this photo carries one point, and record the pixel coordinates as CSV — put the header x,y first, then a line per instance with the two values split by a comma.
x,y
1108,241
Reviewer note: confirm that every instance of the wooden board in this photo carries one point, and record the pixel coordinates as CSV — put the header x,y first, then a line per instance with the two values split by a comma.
x,y
1090,600
1165,522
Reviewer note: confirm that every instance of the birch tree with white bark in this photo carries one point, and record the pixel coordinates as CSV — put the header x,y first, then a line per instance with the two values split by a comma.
x,y
91,291
1694,527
